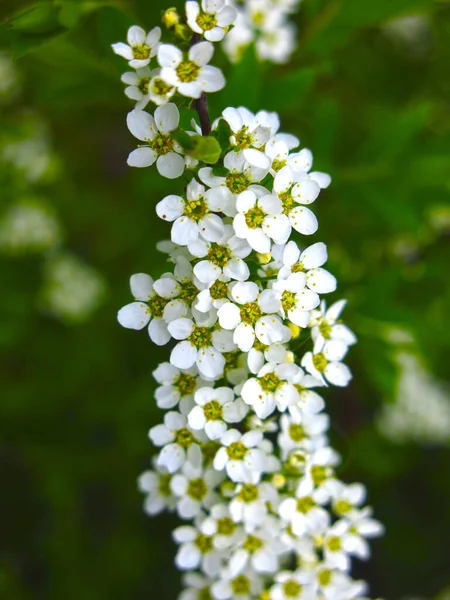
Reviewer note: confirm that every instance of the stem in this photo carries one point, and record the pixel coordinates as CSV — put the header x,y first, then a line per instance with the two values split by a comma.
x,y
201,105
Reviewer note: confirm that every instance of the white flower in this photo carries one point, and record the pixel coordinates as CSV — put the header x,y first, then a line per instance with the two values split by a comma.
x,y
241,175
274,387
346,498
215,408
178,441
243,461
318,470
305,513
199,587
326,325
260,549
201,345
277,44
290,585
156,484
141,46
150,309
221,526
250,318
177,387
138,82
214,295
242,587
159,91
221,257
195,489
249,505
324,362
190,74
296,301
305,433
309,261
248,135
162,146
196,549
192,217
260,219
294,190
275,353
212,19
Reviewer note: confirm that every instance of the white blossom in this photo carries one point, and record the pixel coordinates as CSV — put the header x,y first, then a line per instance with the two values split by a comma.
x,y
141,47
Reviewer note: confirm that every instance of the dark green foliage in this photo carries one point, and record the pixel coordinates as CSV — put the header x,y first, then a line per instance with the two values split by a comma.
x,y
76,402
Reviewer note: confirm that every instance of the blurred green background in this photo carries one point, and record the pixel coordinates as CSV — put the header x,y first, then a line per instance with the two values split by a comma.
x,y
368,90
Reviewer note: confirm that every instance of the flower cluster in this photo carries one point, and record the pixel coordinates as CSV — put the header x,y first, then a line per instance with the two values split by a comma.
x,y
243,452
265,22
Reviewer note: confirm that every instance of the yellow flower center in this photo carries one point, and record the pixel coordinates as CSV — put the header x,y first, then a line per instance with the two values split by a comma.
x,y
320,362
236,451
200,337
141,52
206,21
162,144
291,588
184,438
270,382
212,411
248,493
219,255
288,300
305,504
252,544
226,526
196,209
250,313
197,489
237,182
204,543
185,384
218,290
241,585
296,432
160,87
187,71
254,217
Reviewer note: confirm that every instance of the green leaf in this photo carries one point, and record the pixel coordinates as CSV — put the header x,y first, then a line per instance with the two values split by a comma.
x,y
183,138
31,28
285,93
207,149
222,134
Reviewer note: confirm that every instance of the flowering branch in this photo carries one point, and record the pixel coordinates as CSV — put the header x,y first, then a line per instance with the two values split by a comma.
x,y
244,452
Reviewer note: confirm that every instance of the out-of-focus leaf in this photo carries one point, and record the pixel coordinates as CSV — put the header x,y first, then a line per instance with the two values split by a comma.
x,y
284,93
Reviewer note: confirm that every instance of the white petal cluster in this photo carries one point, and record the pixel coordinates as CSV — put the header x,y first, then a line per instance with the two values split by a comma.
x,y
243,452
265,22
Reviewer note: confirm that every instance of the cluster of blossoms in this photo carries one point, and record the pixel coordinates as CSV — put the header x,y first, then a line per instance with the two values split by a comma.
x,y
265,22
243,452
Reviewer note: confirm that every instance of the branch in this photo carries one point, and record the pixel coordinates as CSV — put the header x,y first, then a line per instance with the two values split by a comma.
x,y
201,105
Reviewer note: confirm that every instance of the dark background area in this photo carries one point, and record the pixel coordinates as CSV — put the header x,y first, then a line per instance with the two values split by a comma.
x,y
76,399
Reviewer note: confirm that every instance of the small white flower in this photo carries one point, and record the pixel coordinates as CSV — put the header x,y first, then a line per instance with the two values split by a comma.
x,y
274,387
212,19
277,44
304,433
200,345
222,257
141,46
220,525
138,82
159,91
310,262
260,220
192,217
243,461
190,74
327,326
248,316
216,407
149,309
275,353
156,484
214,295
199,587
296,301
290,585
305,513
260,549
157,133
324,362
196,550
241,587
250,503
241,175
194,489
248,135
177,387
178,441
296,189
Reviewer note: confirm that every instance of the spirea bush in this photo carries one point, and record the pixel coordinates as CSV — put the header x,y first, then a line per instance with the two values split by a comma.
x,y
243,453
